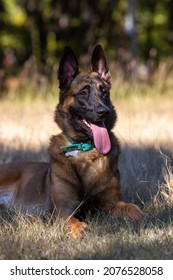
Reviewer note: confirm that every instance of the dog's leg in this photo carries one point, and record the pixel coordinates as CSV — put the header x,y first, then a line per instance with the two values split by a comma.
x,y
66,214
111,202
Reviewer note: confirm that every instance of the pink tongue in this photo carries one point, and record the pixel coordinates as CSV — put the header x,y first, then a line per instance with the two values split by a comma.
x,y
101,138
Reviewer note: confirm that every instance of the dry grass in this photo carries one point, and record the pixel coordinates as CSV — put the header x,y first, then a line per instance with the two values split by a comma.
x,y
146,134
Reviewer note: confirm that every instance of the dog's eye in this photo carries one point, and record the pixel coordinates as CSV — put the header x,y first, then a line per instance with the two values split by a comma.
x,y
82,93
104,93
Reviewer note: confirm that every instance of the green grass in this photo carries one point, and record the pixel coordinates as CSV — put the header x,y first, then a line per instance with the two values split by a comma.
x,y
144,129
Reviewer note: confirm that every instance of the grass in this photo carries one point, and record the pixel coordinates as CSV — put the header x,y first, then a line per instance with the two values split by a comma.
x,y
106,238
145,131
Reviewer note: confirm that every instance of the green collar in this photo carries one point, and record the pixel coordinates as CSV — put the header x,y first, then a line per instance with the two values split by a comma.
x,y
83,147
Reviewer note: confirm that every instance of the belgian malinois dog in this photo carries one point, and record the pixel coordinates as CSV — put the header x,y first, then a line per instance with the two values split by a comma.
x,y
83,167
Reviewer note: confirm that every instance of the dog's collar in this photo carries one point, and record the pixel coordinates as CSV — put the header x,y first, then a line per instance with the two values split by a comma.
x,y
74,147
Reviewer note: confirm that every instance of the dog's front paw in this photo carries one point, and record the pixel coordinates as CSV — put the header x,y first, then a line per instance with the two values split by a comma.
x,y
129,209
77,229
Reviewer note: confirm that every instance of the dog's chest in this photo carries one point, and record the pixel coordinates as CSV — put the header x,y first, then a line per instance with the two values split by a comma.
x,y
93,170
89,162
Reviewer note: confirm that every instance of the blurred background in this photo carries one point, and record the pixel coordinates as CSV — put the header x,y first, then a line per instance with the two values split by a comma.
x,y
137,37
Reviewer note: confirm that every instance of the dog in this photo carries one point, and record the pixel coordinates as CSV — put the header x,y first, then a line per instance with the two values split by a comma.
x,y
83,167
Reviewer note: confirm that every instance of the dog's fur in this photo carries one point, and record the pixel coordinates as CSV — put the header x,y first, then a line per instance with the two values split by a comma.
x,y
90,177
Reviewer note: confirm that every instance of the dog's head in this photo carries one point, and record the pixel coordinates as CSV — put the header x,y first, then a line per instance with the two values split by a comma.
x,y
85,111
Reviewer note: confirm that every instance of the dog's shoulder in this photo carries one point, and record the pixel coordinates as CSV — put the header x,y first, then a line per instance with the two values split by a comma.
x,y
56,141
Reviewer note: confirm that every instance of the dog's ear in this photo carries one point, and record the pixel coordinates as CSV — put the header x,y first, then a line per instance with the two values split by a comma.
x,y
99,63
68,68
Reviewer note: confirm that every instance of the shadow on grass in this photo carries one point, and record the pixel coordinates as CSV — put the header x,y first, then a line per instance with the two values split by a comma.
x,y
121,239
154,249
8,154
143,170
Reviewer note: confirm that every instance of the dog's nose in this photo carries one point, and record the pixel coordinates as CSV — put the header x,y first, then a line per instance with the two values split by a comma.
x,y
103,111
